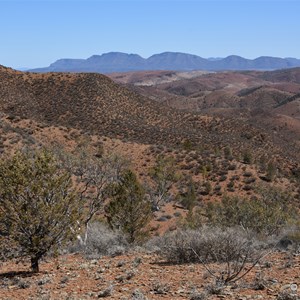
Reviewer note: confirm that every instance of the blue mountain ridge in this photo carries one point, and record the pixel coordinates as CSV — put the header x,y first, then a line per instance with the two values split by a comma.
x,y
123,62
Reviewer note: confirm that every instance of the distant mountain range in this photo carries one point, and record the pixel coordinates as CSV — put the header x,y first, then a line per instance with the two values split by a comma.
x,y
123,62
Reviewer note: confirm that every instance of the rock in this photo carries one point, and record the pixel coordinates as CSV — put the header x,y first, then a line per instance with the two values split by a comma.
x,y
285,287
120,278
84,266
120,263
101,270
180,291
94,262
273,280
43,281
105,293
98,277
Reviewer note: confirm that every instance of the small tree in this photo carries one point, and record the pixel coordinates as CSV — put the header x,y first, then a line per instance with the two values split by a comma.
x,y
228,153
128,209
163,176
38,205
207,188
247,157
271,172
188,197
95,175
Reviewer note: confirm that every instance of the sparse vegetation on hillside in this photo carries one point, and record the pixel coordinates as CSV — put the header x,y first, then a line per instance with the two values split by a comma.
x,y
191,189
96,105
267,213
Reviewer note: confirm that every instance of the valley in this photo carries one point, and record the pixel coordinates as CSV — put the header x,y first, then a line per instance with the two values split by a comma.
x,y
228,135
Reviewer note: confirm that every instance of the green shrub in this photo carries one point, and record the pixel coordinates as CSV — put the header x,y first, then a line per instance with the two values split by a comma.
x,y
247,157
128,209
188,197
38,206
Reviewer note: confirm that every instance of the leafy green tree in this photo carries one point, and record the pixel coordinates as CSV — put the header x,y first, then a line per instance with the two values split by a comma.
x,y
38,206
128,209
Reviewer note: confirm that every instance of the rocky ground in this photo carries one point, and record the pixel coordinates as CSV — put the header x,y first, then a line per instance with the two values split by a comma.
x,y
141,275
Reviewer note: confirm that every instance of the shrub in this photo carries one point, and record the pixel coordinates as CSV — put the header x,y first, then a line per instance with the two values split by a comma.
x,y
231,167
177,214
285,295
198,296
266,214
188,197
138,295
230,185
247,174
249,180
228,153
206,188
291,238
232,247
247,157
101,240
187,145
160,288
247,187
223,178
271,172
194,219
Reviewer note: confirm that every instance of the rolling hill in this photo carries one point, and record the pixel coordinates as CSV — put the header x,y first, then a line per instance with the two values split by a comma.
x,y
275,94
94,103
64,109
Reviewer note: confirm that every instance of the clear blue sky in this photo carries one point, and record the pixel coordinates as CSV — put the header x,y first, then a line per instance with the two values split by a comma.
x,y
36,33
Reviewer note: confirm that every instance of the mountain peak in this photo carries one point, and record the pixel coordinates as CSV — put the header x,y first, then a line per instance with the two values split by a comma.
x,y
173,61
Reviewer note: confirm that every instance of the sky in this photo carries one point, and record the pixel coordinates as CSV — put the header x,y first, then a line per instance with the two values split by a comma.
x,y
38,32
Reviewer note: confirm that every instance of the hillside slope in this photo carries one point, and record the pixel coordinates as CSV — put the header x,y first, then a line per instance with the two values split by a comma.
x,y
268,100
96,105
